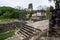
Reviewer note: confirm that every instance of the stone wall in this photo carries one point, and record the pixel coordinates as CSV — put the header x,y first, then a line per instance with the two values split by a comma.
x,y
9,26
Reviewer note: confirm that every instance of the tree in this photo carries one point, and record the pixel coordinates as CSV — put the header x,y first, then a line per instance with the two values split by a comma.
x,y
9,12
7,15
47,14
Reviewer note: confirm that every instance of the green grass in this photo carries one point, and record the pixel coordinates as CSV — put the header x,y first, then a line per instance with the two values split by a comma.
x,y
6,35
7,20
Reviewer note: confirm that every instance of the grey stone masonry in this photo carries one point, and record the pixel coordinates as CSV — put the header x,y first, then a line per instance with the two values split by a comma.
x,y
54,24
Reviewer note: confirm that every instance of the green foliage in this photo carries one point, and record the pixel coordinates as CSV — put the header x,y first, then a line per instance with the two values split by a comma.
x,y
6,35
29,15
8,12
47,14
7,15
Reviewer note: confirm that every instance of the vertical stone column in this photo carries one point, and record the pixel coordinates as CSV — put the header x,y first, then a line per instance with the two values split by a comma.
x,y
52,21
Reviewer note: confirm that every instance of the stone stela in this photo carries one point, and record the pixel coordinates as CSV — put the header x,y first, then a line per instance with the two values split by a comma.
x,y
54,24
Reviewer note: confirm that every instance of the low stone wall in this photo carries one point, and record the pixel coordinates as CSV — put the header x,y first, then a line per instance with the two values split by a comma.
x,y
38,18
9,26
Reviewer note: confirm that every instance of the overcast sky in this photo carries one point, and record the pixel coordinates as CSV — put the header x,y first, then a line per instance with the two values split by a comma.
x,y
24,3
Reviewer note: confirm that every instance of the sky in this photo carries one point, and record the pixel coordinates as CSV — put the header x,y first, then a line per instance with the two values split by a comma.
x,y
24,3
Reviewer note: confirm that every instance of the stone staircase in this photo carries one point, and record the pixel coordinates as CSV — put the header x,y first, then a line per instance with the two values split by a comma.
x,y
27,32
31,32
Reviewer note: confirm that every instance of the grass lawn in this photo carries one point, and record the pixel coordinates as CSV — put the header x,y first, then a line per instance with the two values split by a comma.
x,y
6,35
6,20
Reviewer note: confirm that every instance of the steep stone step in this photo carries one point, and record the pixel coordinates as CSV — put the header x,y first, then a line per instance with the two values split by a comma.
x,y
30,31
24,34
31,28
28,34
